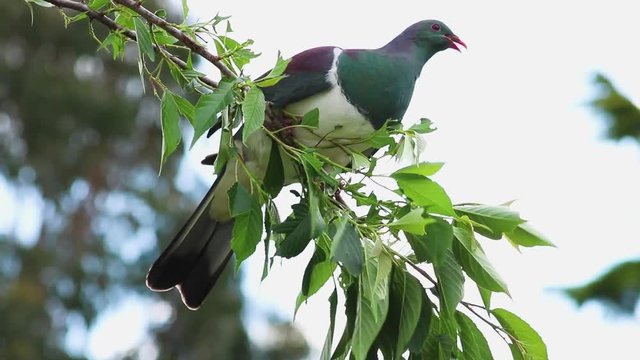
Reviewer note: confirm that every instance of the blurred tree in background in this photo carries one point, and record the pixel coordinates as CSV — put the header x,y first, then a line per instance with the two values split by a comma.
x,y
618,288
79,150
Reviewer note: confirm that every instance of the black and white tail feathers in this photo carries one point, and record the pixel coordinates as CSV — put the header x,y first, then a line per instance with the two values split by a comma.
x,y
196,256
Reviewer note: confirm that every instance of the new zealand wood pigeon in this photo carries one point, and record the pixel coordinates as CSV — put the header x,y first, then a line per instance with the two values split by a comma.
x,y
356,91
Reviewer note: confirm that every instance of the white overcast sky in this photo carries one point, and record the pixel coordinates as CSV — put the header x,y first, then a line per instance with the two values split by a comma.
x,y
514,123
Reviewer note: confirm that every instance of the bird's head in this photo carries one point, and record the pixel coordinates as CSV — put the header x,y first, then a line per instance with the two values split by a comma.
x,y
434,34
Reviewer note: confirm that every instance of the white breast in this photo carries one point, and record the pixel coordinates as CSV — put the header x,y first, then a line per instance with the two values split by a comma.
x,y
339,123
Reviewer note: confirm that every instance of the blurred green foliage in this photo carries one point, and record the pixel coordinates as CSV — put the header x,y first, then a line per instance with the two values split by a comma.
x,y
618,288
621,115
79,150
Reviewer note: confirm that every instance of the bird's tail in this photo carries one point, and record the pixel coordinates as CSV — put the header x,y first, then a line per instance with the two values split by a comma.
x,y
196,256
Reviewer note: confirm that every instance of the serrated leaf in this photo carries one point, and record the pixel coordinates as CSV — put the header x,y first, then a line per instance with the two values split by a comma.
x,y
434,243
526,236
274,178
372,311
474,261
500,219
346,247
474,344
311,118
423,127
247,226
253,108
529,343
143,37
425,192
208,107
450,282
380,138
170,126
413,222
424,169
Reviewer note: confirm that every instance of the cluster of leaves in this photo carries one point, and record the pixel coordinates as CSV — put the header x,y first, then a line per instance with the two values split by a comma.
x,y
393,305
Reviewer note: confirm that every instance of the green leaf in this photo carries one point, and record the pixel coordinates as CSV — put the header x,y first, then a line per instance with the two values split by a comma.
x,y
474,261
346,247
311,118
209,105
351,311
143,36
170,125
185,108
425,192
424,169
450,282
485,295
41,3
359,161
440,342
274,179
253,108
271,217
276,73
328,342
526,236
528,343
163,38
373,305
500,219
432,246
422,329
474,344
300,227
406,295
423,127
96,5
225,150
247,226
240,200
317,273
380,138
185,11
413,222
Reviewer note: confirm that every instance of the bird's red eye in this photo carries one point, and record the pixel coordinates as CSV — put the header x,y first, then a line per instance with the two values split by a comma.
x,y
435,27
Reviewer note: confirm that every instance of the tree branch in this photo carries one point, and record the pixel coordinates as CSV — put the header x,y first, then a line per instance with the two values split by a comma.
x,y
181,36
108,22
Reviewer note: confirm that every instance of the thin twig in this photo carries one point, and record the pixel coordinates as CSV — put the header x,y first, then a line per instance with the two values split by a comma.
x,y
108,22
180,35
